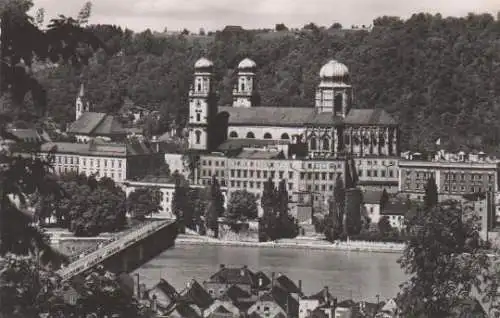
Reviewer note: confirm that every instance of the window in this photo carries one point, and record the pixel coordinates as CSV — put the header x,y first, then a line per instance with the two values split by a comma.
x,y
337,103
197,136
233,134
250,135
313,143
285,136
268,136
199,87
326,144
198,117
242,86
290,186
323,176
290,175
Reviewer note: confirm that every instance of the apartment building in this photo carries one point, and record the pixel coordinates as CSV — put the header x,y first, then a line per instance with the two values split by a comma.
x,y
116,161
454,177
378,173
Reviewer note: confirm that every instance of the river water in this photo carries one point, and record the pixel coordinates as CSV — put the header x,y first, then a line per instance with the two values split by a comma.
x,y
357,275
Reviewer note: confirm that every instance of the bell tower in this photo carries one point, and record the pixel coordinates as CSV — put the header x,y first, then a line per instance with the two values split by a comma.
x,y
334,93
82,104
200,108
243,91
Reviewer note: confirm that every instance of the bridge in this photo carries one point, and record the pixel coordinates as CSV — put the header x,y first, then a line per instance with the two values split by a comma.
x,y
128,252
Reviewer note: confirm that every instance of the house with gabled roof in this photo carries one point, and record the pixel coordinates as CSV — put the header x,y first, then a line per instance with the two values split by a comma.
x,y
288,285
162,295
275,303
197,295
91,125
226,277
222,308
322,301
183,310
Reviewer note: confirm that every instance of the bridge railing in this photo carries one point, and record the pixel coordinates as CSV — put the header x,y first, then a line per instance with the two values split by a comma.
x,y
92,259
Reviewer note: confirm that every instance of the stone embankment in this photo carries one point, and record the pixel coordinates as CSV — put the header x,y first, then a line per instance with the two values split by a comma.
x,y
299,242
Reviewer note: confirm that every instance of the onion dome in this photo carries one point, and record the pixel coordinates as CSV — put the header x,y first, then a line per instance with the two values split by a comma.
x,y
334,70
203,63
247,64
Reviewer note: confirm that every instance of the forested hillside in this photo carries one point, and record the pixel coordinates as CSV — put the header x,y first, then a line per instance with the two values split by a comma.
x,y
439,76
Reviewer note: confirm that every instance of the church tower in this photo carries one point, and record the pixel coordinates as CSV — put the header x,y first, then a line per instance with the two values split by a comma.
x,y
334,93
82,104
200,108
243,91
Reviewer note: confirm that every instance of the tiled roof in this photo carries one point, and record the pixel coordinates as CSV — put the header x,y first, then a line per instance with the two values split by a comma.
x,y
302,116
372,197
261,276
283,299
185,310
167,289
98,149
287,284
27,135
231,275
321,296
369,117
97,124
233,144
235,293
198,295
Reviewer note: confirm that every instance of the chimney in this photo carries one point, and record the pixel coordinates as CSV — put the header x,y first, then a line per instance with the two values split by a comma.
x,y
300,286
153,305
260,281
272,279
325,294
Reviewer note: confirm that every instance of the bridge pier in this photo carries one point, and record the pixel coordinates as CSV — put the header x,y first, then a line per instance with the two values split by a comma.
x,y
125,262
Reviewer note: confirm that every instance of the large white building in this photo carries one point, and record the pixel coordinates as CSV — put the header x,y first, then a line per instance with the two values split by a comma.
x,y
116,161
244,144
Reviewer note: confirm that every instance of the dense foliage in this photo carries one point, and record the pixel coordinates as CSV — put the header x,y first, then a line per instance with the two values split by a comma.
x,y
143,202
439,76
276,221
242,205
446,261
86,207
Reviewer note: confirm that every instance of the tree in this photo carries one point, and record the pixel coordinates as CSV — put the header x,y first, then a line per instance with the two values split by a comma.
x,y
336,26
267,224
281,27
384,225
431,193
242,205
142,202
216,206
384,199
445,259
22,177
179,201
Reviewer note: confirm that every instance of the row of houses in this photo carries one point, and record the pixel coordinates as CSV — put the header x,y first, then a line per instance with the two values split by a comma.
x,y
241,292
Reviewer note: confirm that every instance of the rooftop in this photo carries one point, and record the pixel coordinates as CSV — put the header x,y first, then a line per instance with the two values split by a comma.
x,y
372,197
96,124
302,116
235,144
98,148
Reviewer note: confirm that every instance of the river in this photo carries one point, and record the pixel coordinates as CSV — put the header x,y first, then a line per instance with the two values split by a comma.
x,y
357,275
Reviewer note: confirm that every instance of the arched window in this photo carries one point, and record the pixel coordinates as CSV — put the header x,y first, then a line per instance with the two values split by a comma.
x,y
326,144
250,135
198,136
242,86
199,87
337,103
267,136
285,136
198,117
233,134
314,145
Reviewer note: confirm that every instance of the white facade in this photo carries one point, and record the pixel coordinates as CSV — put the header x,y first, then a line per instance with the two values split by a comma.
x,y
265,132
373,212
307,306
81,105
167,193
199,108
242,93
378,173
176,163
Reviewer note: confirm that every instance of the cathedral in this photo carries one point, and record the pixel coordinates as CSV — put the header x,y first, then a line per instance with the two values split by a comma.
x,y
331,128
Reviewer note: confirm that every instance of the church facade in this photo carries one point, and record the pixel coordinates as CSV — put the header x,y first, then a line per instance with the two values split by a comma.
x,y
330,128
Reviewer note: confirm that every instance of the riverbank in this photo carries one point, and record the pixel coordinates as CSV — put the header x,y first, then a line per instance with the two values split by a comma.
x,y
297,243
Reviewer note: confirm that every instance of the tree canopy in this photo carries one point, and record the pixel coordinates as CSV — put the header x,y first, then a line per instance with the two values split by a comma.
x,y
242,205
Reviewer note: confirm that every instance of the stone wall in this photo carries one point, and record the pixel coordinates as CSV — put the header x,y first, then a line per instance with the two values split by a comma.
x,y
239,231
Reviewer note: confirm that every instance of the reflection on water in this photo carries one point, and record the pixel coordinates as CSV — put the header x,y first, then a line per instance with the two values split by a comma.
x,y
348,274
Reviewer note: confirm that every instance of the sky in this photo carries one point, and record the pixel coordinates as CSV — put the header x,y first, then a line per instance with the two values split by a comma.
x,y
212,15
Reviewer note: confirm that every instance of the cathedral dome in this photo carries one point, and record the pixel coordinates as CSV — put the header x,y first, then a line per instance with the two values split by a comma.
x,y
334,70
247,64
203,63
